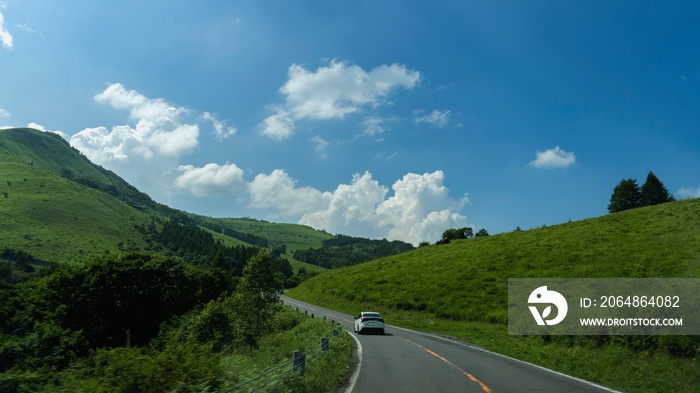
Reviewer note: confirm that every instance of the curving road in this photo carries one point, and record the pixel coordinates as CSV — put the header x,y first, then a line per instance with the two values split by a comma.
x,y
409,361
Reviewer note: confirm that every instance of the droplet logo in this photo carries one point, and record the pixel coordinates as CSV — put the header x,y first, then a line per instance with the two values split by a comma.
x,y
542,296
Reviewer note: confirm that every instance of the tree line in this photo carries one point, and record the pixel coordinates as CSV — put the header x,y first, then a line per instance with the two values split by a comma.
x,y
628,195
198,247
343,250
459,233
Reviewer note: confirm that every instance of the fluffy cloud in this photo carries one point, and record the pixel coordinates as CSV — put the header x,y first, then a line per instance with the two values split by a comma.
x,y
350,209
419,209
146,151
278,191
278,126
553,158
436,118
159,128
333,92
210,180
4,113
689,192
5,35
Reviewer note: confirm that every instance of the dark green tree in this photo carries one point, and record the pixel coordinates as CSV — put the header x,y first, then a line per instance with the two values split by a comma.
x,y
257,297
482,232
458,233
653,192
625,196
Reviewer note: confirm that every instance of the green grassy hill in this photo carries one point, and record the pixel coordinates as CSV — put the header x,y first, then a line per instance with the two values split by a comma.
x,y
53,217
466,279
292,236
58,206
461,288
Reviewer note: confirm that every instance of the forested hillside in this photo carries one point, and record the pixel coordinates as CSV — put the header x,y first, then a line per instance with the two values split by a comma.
x,y
348,250
104,290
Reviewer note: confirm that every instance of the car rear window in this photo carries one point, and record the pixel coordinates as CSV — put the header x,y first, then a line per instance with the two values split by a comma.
x,y
371,315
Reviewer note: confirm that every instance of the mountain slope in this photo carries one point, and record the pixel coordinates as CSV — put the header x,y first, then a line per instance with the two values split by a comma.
x,y
468,279
49,151
58,206
55,218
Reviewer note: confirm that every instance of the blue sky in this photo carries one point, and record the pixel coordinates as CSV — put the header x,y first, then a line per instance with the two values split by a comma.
x,y
377,119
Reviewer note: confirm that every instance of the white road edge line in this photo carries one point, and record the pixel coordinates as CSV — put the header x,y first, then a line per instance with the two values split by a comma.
x,y
508,357
356,374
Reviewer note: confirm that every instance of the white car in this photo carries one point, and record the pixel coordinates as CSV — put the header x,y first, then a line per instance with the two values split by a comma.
x,y
369,321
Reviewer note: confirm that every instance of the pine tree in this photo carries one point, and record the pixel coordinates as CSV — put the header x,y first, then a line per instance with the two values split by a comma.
x,y
653,192
625,196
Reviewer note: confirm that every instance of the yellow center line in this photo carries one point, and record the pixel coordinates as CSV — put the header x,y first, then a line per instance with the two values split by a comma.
x,y
471,377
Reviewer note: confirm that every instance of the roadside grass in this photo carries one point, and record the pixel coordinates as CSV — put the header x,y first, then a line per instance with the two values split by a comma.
x,y
173,366
460,289
324,371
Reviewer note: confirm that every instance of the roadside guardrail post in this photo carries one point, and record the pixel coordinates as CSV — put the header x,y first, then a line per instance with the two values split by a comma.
x,y
324,343
299,362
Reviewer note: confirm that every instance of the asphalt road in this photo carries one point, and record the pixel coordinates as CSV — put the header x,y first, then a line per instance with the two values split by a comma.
x,y
409,361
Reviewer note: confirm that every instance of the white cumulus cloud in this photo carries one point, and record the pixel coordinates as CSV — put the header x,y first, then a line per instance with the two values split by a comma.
x,y
553,158
278,191
4,113
333,92
158,129
420,208
146,151
278,126
350,209
210,180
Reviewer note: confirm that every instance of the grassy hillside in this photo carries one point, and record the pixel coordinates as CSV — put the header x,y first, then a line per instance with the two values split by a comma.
x,y
59,220
60,207
293,236
461,288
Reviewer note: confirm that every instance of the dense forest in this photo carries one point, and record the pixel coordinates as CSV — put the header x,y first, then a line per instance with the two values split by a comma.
x,y
348,250
136,322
